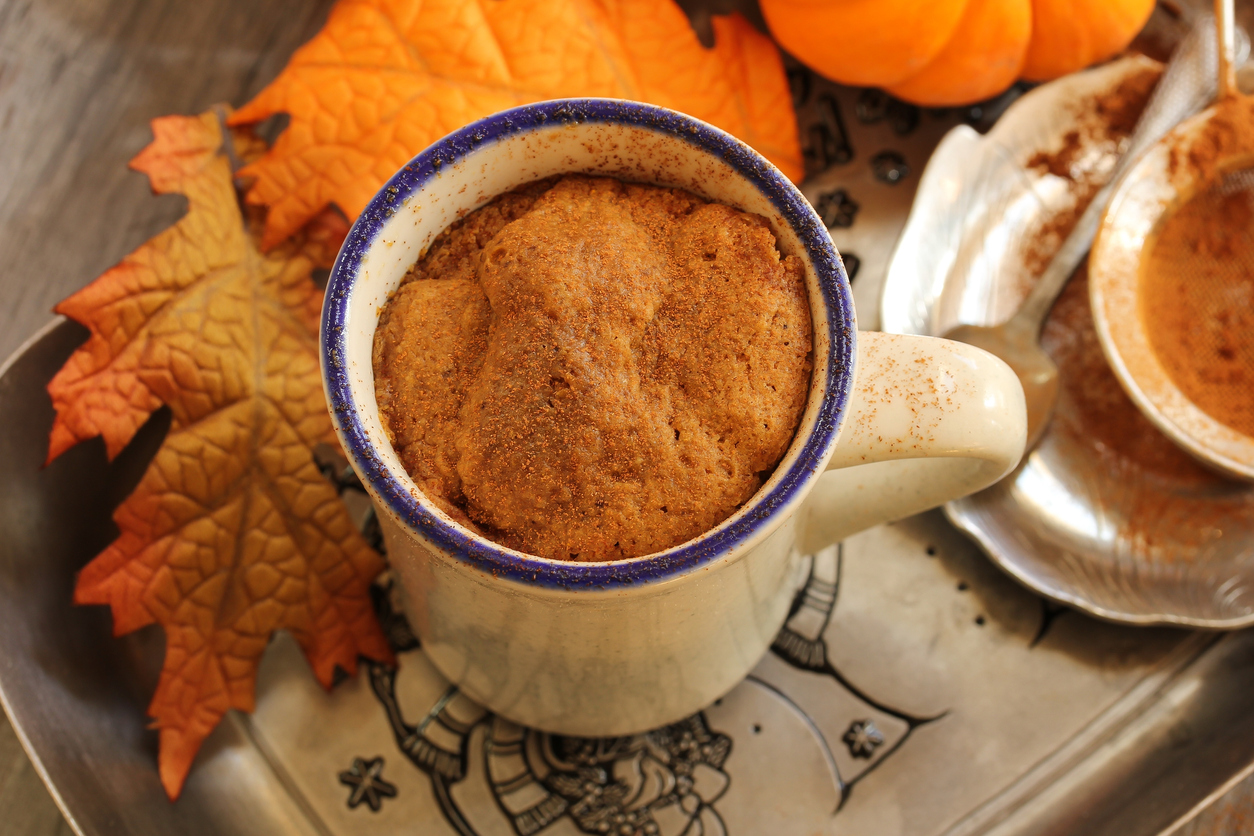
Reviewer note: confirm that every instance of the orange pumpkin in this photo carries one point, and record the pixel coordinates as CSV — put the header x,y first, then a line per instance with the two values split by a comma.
x,y
950,52
1068,35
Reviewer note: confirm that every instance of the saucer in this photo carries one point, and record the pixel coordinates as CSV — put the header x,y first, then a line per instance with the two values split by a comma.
x,y
1105,514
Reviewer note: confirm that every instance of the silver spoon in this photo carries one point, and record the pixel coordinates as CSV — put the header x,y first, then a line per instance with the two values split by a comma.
x,y
1187,85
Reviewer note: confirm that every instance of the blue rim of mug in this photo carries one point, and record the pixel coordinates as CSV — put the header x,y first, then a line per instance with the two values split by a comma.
x,y
485,555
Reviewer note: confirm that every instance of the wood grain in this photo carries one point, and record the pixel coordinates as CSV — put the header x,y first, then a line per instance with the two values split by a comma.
x,y
79,81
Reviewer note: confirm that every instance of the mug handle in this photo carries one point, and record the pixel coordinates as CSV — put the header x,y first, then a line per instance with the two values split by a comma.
x,y
929,420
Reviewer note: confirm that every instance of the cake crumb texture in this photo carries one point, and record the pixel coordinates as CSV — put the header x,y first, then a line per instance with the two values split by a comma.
x,y
586,369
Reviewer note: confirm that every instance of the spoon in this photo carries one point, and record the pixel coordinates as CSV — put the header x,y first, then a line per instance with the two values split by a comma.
x,y
1187,85
1226,42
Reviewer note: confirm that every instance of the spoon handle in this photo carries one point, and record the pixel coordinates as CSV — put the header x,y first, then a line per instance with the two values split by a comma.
x,y
1187,85
1225,25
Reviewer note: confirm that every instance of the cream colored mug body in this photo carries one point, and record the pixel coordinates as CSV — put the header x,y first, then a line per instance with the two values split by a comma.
x,y
893,425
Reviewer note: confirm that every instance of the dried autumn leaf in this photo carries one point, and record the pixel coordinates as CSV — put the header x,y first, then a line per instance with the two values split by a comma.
x,y
233,533
386,78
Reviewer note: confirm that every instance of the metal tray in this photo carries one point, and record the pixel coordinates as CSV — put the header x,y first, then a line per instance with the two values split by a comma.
x,y
915,690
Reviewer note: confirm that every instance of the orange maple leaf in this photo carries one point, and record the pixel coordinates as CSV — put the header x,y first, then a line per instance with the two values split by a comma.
x,y
386,78
233,532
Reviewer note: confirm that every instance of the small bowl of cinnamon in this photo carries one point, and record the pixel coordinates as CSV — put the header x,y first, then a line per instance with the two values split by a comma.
x,y
1172,285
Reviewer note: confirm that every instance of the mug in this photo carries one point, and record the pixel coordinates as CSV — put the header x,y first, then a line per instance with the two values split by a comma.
x,y
894,425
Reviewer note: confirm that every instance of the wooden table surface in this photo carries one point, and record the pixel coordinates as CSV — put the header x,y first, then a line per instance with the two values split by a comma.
x,y
79,80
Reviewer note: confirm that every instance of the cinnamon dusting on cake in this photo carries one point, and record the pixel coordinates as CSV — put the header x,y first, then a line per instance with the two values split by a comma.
x,y
595,370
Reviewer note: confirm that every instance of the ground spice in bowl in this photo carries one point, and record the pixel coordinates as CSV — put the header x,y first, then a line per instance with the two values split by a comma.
x,y
1160,504
1196,299
1098,410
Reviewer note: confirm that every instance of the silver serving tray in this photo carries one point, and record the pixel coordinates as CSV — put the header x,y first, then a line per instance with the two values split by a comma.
x,y
915,690
1082,521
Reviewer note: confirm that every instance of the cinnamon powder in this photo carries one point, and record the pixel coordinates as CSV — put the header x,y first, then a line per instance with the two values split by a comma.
x,y
1108,120
1228,134
594,370
1196,292
1197,302
1165,505
1096,412
1108,117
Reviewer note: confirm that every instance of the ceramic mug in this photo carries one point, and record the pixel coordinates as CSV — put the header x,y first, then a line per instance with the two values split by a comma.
x,y
893,425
